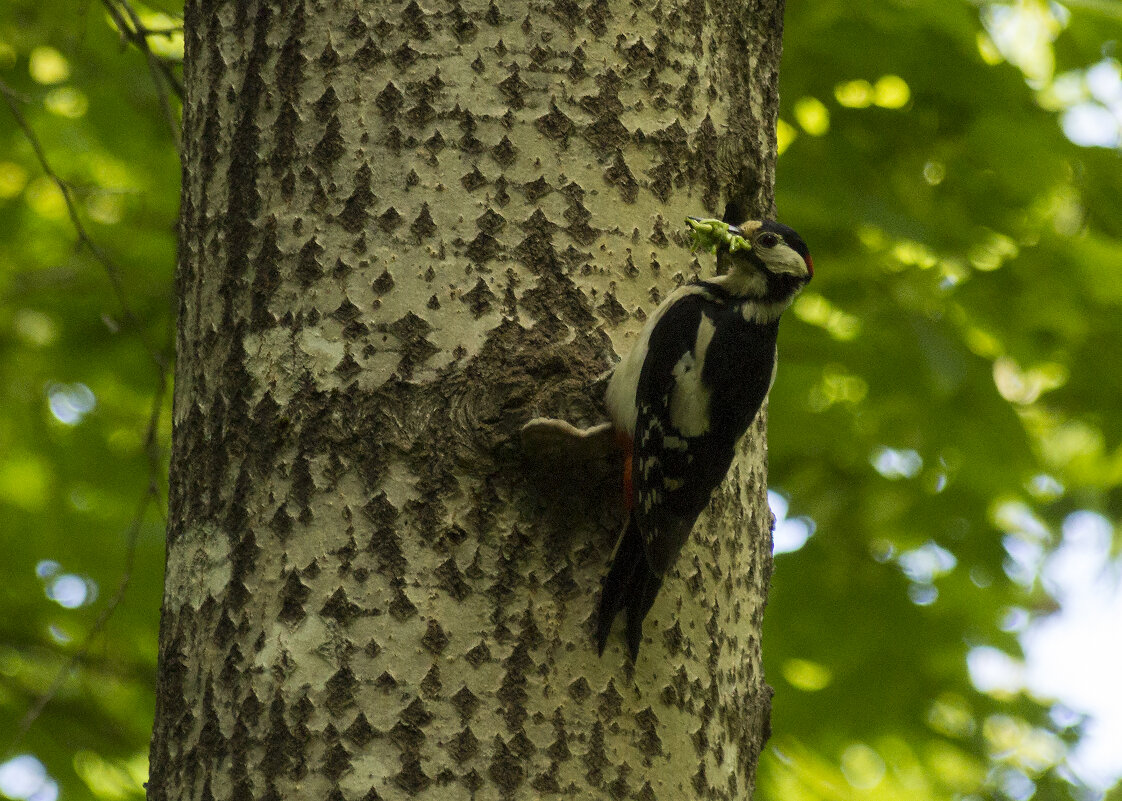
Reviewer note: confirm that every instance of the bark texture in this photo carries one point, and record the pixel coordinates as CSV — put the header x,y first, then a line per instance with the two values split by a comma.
x,y
407,228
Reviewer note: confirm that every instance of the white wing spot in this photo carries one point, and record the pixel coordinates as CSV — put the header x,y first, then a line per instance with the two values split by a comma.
x,y
689,402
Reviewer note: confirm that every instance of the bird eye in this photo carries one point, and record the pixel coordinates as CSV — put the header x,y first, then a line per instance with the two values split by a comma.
x,y
768,240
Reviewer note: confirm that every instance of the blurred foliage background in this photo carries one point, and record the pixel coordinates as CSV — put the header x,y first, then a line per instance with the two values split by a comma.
x,y
946,431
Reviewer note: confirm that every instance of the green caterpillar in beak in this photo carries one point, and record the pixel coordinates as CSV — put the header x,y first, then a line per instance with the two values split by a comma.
x,y
711,235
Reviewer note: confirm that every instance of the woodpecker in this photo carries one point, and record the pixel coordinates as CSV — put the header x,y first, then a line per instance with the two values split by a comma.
x,y
686,393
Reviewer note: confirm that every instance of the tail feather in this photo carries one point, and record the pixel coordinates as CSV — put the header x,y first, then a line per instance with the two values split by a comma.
x,y
630,584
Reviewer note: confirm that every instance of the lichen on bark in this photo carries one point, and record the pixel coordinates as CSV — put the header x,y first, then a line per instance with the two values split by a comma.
x,y
406,229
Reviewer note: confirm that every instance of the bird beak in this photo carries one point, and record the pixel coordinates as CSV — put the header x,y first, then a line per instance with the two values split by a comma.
x,y
735,230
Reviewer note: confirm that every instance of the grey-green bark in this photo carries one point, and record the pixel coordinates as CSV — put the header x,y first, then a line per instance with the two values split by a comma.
x,y
406,230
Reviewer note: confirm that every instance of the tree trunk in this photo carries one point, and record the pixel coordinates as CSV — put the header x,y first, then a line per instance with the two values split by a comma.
x,y
406,230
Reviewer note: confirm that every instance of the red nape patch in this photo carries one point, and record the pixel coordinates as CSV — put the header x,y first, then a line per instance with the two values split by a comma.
x,y
624,443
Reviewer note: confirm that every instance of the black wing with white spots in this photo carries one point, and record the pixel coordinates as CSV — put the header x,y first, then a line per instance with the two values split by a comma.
x,y
669,485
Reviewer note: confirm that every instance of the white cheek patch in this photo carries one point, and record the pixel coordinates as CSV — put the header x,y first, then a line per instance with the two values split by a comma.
x,y
782,260
689,403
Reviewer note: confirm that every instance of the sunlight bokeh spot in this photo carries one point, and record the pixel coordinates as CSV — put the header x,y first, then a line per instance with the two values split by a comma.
x,y
23,777
812,115
891,91
47,66
70,591
854,94
35,328
46,199
785,134
24,481
806,675
950,715
66,101
893,463
70,403
862,767
13,178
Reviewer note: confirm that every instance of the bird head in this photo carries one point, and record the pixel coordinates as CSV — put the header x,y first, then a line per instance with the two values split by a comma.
x,y
774,247
761,258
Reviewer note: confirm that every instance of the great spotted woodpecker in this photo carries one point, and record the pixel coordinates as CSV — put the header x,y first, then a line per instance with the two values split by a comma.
x,y
682,398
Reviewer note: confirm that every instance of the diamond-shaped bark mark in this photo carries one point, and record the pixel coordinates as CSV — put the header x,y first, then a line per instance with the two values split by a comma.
x,y
383,283
367,56
416,714
356,209
597,13
420,114
328,58
673,638
478,655
372,795
672,141
348,367
435,143
401,608
606,134
413,21
611,702
562,585
409,327
522,745
514,89
389,219
281,523
464,745
463,27
483,248
538,223
661,181
504,152
558,750
466,702
501,196
308,266
435,640
490,222
385,681
649,743
595,758
336,761
639,56
356,28
619,175
341,689
412,778
390,100
473,180
430,684
404,56
611,310
536,189
360,732
555,125
340,608
579,690
506,769
423,226
480,299
452,580
326,105
346,312
330,147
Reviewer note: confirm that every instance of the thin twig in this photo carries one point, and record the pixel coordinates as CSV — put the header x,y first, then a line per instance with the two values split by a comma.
x,y
137,34
114,274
